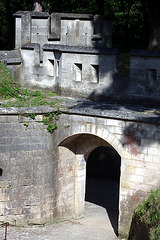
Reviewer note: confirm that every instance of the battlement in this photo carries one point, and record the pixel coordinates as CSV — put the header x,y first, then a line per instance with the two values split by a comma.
x,y
62,28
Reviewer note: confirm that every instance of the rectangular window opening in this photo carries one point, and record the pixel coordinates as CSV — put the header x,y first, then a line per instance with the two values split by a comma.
x,y
78,72
152,77
57,69
50,67
95,73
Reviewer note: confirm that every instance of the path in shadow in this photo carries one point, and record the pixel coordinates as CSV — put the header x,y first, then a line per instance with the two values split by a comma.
x,y
102,182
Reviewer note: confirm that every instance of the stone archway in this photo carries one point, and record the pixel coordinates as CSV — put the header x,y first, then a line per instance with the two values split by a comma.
x,y
73,152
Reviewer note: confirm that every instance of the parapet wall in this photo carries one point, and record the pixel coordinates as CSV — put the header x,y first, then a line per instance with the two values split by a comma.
x,y
62,28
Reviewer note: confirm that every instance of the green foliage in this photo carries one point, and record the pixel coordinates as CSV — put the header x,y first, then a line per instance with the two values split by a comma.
x,y
26,124
51,127
50,119
149,212
130,18
9,87
35,93
9,185
31,115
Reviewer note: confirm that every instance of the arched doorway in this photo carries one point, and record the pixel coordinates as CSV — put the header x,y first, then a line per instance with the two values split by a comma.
x,y
102,181
73,154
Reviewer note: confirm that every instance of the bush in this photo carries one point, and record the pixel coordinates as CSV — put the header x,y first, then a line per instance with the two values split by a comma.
x,y
149,214
9,87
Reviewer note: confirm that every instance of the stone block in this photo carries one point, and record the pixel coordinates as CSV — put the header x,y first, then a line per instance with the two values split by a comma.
x,y
148,158
8,119
156,159
154,151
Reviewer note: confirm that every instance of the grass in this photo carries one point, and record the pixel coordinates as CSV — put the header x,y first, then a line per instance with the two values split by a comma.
x,y
149,213
13,95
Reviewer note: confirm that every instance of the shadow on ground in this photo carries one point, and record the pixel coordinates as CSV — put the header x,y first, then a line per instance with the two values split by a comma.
x,y
102,182
105,193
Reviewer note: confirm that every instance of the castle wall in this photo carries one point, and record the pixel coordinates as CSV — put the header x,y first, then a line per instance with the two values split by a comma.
x,y
145,75
27,182
43,174
62,28
71,55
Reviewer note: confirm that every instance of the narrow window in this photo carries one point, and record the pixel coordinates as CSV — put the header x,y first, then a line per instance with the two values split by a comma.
x,y
1,172
50,67
57,69
78,72
152,77
95,73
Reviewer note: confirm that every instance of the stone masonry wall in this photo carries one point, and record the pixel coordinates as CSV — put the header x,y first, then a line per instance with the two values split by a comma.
x,y
43,174
144,75
27,182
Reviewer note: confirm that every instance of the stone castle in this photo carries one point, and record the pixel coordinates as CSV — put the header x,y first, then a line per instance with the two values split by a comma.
x,y
43,175
71,54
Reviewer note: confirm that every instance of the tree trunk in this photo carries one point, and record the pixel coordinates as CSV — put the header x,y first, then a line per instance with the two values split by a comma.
x,y
37,6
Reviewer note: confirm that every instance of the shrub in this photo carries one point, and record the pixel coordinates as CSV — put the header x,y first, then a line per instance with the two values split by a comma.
x,y
149,213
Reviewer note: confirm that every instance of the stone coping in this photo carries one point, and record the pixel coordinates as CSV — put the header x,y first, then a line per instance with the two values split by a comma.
x,y
61,15
30,46
144,53
73,106
73,16
79,49
10,57
33,14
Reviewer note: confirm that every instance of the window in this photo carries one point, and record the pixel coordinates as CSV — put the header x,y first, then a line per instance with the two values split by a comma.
x,y
57,69
95,73
50,67
1,172
152,77
78,72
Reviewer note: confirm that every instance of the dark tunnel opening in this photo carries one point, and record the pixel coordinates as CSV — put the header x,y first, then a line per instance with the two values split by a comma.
x,y
102,181
1,171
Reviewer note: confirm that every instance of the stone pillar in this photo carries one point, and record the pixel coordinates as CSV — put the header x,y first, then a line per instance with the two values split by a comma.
x,y
26,28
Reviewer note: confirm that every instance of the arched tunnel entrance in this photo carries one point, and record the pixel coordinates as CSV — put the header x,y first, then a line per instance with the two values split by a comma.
x,y
89,170
102,181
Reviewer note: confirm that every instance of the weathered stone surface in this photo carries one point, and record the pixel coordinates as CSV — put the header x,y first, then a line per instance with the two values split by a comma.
x,y
43,177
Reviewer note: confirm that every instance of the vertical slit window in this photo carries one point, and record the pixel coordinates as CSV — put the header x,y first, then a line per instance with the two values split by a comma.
x,y
57,69
50,67
95,73
78,72
152,77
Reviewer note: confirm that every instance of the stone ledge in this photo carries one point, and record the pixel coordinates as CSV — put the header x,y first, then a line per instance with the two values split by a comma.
x,y
78,49
30,46
144,53
33,14
94,109
10,57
